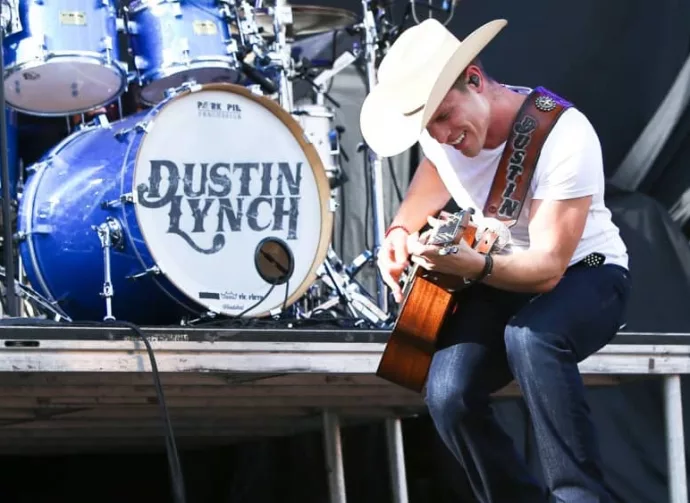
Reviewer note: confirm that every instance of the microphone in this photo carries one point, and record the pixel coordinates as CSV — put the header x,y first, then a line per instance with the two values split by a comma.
x,y
267,85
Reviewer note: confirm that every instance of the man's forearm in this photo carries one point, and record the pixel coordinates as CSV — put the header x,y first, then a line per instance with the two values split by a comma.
x,y
526,271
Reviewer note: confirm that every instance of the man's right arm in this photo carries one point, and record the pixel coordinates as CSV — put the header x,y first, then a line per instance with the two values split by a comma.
x,y
426,195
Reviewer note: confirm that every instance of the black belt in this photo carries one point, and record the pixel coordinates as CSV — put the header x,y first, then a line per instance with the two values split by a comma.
x,y
592,260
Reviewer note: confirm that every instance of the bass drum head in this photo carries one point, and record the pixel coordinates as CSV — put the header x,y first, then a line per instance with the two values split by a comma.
x,y
223,182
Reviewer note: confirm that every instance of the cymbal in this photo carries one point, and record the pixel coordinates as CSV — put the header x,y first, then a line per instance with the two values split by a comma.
x,y
309,20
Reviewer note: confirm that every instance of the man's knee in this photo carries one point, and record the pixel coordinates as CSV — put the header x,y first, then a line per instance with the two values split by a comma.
x,y
459,383
528,349
448,402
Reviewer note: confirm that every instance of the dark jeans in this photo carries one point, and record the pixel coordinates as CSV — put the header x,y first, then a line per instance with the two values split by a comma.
x,y
496,336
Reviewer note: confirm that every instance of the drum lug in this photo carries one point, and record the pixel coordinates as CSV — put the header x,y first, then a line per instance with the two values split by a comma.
x,y
231,47
143,126
155,270
107,44
184,44
140,63
132,27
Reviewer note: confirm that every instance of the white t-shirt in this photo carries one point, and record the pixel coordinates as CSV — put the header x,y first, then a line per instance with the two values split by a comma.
x,y
570,166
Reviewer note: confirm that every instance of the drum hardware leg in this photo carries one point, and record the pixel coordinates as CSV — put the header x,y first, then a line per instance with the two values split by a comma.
x,y
359,262
30,295
334,275
110,235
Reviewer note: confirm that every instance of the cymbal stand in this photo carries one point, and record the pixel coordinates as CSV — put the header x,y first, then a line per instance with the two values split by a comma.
x,y
375,164
7,234
282,20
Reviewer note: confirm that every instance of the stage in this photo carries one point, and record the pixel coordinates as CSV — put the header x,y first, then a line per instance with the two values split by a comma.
x,y
69,389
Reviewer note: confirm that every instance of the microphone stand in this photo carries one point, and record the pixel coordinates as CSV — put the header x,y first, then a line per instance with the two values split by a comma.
x,y
7,237
374,161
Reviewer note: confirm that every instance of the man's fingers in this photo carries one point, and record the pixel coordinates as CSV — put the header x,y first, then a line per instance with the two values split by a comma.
x,y
421,249
433,222
400,254
422,262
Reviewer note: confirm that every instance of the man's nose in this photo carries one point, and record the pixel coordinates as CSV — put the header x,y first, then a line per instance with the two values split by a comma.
x,y
438,133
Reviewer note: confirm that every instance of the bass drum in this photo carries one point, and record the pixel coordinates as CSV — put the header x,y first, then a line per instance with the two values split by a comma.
x,y
210,202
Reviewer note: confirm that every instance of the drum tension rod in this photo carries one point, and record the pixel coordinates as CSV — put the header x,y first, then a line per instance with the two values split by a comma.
x,y
110,235
124,198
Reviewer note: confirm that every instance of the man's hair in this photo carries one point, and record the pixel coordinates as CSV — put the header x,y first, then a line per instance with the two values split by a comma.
x,y
461,82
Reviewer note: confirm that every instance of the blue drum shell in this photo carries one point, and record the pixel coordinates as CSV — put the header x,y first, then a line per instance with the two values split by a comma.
x,y
63,200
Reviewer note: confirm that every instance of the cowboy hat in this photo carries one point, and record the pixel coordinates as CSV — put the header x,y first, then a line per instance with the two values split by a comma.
x,y
413,78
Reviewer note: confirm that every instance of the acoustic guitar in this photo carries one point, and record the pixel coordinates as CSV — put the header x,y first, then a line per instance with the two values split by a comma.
x,y
428,300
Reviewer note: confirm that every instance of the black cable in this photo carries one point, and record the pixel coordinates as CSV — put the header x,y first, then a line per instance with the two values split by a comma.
x,y
256,304
367,204
7,238
395,181
343,215
287,290
177,481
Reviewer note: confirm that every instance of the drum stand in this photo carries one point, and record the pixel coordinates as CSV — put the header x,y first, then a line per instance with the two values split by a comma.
x,y
346,292
374,162
8,241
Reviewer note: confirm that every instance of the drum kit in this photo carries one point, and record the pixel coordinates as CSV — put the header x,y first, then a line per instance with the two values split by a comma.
x,y
215,199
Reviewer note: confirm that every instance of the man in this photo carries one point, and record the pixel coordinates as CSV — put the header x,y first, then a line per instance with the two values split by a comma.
x,y
556,295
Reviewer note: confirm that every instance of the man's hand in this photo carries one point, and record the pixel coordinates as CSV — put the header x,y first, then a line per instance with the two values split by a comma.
x,y
393,259
464,263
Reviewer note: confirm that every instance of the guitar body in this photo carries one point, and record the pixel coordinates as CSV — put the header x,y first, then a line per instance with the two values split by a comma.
x,y
412,344
428,301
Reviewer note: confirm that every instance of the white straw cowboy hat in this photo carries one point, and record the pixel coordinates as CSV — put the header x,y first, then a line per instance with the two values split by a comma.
x,y
413,78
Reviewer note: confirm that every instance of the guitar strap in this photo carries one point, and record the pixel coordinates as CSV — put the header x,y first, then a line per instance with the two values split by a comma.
x,y
533,123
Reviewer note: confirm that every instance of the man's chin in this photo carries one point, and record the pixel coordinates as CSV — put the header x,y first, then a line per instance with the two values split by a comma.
x,y
467,150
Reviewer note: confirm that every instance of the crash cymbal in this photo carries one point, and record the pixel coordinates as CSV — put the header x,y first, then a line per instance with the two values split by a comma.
x,y
308,20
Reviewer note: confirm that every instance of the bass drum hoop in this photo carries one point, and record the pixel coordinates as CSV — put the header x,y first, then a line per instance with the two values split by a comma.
x,y
311,154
